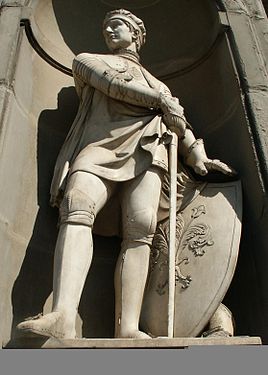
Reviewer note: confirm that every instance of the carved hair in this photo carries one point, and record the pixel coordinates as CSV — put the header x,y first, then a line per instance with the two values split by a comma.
x,y
134,23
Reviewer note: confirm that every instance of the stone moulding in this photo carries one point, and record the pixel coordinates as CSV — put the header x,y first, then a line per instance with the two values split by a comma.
x,y
157,343
40,51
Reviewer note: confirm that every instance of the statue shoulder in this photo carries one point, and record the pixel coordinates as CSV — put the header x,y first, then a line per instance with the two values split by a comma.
x,y
112,61
155,82
85,57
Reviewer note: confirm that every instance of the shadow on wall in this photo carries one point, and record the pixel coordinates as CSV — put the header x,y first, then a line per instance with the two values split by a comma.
x,y
34,282
167,23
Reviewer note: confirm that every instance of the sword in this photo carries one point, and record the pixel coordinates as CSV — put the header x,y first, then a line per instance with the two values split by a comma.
x,y
173,160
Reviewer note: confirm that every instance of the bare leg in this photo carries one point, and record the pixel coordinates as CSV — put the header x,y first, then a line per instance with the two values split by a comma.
x,y
139,206
73,255
130,279
72,261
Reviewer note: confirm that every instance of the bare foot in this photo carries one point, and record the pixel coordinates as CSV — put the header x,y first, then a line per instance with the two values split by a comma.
x,y
49,325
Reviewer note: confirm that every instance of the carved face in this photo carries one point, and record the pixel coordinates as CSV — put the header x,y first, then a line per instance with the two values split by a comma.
x,y
117,34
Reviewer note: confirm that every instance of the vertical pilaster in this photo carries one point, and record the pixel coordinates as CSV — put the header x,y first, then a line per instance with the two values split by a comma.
x,y
249,38
10,14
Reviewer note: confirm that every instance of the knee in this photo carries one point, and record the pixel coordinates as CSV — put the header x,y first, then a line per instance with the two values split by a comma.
x,y
140,226
77,208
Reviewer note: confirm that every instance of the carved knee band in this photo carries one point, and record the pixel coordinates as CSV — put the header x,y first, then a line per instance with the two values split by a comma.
x,y
140,227
77,208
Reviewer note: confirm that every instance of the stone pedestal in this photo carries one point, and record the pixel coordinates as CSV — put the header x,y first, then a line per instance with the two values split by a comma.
x,y
157,343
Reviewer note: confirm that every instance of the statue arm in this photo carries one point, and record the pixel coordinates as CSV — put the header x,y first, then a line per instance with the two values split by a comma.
x,y
194,155
121,86
191,149
91,70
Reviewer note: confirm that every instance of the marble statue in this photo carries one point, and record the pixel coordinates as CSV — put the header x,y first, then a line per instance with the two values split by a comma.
x,y
116,151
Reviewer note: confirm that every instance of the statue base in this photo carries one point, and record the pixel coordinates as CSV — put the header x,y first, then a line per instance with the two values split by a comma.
x,y
156,343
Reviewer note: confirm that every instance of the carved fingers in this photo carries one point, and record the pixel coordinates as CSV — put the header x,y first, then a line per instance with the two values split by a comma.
x,y
201,164
202,167
171,105
217,165
175,123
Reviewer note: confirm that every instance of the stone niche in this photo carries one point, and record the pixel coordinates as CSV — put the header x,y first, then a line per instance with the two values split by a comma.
x,y
187,49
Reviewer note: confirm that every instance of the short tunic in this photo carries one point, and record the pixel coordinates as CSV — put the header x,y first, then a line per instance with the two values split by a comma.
x,y
111,138
120,140
117,141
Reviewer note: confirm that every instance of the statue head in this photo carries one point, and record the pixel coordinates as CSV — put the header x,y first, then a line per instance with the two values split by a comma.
x,y
137,31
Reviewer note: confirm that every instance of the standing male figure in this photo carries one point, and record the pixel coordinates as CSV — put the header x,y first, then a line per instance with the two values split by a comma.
x,y
115,149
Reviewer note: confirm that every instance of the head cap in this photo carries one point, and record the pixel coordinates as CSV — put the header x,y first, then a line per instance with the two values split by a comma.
x,y
131,19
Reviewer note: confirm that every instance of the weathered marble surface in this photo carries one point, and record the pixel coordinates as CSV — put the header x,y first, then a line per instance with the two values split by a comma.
x,y
120,135
158,343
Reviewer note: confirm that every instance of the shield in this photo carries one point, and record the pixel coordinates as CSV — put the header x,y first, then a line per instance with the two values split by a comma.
x,y
208,234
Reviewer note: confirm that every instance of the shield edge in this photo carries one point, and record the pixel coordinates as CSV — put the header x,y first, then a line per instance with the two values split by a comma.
x,y
232,261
